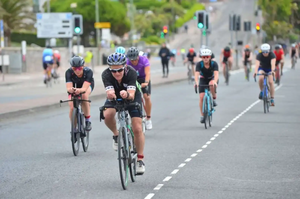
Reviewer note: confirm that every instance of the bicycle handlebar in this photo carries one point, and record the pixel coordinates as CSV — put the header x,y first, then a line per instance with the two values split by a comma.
x,y
74,97
265,75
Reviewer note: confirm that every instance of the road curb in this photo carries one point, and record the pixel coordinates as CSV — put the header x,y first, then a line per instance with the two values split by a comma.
x,y
52,106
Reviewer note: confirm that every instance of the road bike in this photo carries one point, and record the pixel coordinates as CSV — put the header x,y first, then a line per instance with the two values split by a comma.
x,y
266,91
277,74
226,73
190,72
78,131
248,69
127,154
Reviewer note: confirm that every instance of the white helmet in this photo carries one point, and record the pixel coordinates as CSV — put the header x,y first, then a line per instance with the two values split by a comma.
x,y
56,52
141,53
293,45
265,47
205,52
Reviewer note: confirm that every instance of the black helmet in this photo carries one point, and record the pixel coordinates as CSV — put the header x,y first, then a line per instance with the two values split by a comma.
x,y
77,61
277,47
227,48
132,53
115,59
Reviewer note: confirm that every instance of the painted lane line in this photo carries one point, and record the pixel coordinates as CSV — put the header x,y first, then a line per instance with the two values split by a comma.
x,y
194,155
158,187
216,135
188,159
149,196
220,132
213,138
199,150
175,171
167,178
208,142
181,165
223,129
204,146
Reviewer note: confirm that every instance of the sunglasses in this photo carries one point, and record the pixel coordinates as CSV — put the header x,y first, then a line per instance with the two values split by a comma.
x,y
205,57
117,70
77,68
265,52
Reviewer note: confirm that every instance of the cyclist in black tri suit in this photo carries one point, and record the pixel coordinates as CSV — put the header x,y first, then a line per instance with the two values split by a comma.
x,y
293,53
120,81
80,79
208,71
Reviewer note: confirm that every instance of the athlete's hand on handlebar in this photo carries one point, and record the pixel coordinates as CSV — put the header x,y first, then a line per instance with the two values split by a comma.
x,y
111,94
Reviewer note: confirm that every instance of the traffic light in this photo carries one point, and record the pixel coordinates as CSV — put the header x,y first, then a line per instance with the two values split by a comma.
x,y
201,21
257,27
165,30
195,16
238,23
77,24
207,21
162,35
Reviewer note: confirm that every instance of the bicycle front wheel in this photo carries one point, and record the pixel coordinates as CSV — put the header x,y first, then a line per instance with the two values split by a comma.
x,y
132,156
75,136
227,74
123,151
85,135
205,112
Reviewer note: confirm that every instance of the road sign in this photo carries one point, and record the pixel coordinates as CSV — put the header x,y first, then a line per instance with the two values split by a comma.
x,y
54,25
1,34
102,25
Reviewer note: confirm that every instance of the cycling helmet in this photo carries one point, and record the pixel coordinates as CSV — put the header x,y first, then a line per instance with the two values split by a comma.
x,y
77,61
191,50
277,47
115,59
205,52
132,53
293,45
227,48
247,46
265,47
121,50
56,52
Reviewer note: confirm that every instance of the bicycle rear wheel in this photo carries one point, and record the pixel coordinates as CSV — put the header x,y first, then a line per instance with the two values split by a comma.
x,y
210,112
227,73
75,136
205,111
123,157
132,157
85,135
248,72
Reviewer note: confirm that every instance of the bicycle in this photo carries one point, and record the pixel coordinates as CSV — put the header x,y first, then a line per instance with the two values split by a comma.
x,y
207,106
226,73
294,60
127,154
248,70
277,74
266,91
78,124
48,80
189,73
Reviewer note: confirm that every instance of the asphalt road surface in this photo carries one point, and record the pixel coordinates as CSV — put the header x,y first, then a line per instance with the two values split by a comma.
x,y
245,154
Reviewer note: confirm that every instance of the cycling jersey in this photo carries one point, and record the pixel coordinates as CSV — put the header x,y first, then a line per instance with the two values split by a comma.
x,y
140,67
48,56
128,81
293,52
226,53
207,73
265,62
78,81
278,54
191,56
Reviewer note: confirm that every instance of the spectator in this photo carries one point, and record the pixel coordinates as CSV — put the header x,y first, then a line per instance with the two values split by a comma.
x,y
164,54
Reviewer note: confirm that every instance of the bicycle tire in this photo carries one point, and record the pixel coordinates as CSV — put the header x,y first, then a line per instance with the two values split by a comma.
x,y
277,75
248,72
205,112
132,156
210,113
123,157
74,135
85,137
227,74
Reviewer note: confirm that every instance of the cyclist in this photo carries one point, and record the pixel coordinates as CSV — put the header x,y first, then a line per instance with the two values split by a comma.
x,y
265,63
56,56
80,79
121,50
279,56
293,53
48,60
247,57
208,71
191,57
120,82
142,66
226,55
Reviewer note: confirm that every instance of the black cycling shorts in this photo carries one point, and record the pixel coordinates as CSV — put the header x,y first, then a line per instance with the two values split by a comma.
x,y
145,90
204,82
277,62
225,59
132,111
245,62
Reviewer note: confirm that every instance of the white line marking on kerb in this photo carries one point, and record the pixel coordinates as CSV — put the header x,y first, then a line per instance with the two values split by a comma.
x,y
159,186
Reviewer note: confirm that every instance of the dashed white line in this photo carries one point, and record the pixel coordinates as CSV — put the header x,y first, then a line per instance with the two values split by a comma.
x,y
167,178
175,171
158,187
181,165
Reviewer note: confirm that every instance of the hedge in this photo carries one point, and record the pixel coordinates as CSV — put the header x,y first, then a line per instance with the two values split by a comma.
x,y
30,38
189,15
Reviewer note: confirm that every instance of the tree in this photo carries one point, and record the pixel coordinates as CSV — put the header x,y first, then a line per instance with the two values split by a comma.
x,y
113,12
16,16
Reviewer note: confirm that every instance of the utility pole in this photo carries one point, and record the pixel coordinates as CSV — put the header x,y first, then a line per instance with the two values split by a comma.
x,y
132,27
98,37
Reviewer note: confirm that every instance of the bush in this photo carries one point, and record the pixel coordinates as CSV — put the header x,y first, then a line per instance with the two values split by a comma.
x,y
147,4
293,37
189,15
187,4
18,37
153,40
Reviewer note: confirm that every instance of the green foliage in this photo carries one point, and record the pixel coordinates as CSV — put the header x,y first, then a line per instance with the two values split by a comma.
x,y
30,38
279,28
189,15
153,40
113,12
187,4
293,37
148,4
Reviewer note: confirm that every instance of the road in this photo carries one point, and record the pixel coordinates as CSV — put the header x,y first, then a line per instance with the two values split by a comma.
x,y
245,154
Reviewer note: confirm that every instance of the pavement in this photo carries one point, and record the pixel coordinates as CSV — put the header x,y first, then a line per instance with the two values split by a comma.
x,y
245,154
